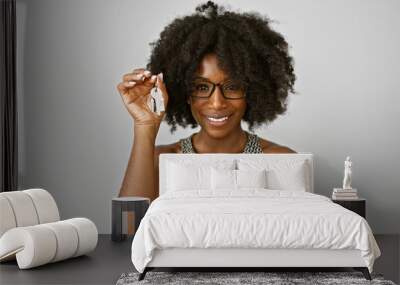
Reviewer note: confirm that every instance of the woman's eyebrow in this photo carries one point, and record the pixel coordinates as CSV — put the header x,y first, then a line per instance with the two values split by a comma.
x,y
206,79
200,77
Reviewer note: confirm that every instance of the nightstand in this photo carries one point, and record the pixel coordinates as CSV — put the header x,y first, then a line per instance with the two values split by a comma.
x,y
357,206
138,205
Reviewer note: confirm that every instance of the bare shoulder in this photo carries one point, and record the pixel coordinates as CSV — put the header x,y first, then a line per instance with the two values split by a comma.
x,y
272,147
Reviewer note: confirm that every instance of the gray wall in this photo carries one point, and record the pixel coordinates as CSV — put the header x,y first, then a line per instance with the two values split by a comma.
x,y
76,135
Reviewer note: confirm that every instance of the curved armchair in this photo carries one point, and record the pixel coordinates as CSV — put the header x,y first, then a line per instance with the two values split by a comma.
x,y
31,231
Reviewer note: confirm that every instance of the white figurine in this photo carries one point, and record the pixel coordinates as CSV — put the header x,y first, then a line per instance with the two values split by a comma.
x,y
347,174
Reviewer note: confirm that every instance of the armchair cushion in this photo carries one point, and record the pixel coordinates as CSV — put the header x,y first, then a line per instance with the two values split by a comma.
x,y
31,231
46,243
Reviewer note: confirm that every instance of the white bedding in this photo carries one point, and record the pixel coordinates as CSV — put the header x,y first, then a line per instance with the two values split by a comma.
x,y
250,218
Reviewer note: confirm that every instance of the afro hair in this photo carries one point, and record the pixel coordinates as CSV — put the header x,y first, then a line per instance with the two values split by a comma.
x,y
247,49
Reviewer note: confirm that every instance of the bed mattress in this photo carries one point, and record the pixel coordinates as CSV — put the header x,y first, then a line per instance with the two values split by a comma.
x,y
253,218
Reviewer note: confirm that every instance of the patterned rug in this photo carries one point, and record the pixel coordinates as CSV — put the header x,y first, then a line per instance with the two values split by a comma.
x,y
270,278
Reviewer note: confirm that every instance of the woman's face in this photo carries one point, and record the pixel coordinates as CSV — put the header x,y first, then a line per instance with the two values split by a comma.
x,y
216,105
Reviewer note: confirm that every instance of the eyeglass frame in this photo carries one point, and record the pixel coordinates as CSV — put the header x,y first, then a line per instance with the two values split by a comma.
x,y
221,89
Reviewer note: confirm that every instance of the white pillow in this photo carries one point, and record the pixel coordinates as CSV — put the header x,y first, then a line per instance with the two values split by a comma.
x,y
223,179
236,179
282,174
186,175
293,178
251,178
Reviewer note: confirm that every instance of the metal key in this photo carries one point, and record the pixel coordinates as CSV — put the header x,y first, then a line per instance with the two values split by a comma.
x,y
158,105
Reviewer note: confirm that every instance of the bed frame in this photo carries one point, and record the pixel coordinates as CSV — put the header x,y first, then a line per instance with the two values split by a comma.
x,y
248,259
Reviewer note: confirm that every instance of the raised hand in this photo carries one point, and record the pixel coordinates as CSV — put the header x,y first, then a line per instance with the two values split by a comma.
x,y
135,93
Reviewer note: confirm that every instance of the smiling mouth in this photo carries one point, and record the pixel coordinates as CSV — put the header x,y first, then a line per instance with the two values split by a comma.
x,y
217,121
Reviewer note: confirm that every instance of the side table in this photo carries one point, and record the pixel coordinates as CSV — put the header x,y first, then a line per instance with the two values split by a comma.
x,y
357,205
138,205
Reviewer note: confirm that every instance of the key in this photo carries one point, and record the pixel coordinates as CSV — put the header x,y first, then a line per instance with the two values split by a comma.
x,y
158,99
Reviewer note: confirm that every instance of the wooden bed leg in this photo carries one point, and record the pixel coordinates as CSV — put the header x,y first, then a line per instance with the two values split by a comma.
x,y
364,271
143,274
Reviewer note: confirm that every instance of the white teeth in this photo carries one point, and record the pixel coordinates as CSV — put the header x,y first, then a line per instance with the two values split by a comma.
x,y
217,120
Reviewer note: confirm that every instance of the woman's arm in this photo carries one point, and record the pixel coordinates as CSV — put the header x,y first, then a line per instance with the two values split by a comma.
x,y
140,175
135,90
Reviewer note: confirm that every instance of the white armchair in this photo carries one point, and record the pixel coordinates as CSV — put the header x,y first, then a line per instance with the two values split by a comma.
x,y
31,231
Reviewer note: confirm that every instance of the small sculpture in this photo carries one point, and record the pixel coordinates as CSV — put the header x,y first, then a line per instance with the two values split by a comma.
x,y
347,174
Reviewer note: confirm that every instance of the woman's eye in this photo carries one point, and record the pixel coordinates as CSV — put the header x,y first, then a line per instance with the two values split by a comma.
x,y
232,86
202,87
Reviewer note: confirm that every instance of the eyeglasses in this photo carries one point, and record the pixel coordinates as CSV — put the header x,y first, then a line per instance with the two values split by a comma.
x,y
230,90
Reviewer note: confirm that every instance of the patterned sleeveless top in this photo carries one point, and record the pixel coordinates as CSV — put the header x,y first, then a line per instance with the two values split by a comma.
x,y
252,144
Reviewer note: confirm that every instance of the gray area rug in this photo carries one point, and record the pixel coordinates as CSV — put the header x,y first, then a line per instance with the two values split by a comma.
x,y
229,278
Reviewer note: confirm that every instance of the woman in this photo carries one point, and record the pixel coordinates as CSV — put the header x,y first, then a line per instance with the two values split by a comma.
x,y
215,68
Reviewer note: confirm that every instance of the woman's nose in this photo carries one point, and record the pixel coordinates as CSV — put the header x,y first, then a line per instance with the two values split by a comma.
x,y
216,99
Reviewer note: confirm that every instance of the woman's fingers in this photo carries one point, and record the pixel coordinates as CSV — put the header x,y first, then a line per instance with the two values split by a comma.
x,y
138,83
124,92
135,90
122,88
152,80
137,77
138,70
147,73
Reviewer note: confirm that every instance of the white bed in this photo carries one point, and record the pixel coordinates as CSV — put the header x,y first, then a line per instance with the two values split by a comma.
x,y
201,220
